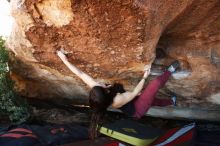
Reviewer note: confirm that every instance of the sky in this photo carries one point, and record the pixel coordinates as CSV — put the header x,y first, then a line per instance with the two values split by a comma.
x,y
5,19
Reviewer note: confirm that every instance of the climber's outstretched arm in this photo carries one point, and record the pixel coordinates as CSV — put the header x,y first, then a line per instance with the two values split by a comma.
x,y
85,77
124,98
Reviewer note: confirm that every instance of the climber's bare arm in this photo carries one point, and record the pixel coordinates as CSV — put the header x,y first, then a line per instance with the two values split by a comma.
x,y
124,98
85,77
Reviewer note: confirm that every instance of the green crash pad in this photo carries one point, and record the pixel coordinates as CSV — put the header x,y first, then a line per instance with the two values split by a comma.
x,y
131,132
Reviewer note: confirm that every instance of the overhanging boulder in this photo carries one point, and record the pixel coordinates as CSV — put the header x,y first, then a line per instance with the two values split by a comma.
x,y
112,41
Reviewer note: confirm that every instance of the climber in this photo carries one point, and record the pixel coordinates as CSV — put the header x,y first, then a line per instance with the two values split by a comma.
x,y
133,103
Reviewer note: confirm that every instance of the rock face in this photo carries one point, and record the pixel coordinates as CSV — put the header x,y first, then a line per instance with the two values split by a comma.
x,y
112,40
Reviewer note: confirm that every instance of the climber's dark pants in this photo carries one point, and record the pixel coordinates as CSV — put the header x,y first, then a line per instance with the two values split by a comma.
x,y
141,104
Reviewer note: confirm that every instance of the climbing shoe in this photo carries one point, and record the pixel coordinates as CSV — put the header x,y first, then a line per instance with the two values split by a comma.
x,y
174,100
173,66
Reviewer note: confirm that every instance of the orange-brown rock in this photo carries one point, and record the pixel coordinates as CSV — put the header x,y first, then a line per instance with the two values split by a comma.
x,y
112,40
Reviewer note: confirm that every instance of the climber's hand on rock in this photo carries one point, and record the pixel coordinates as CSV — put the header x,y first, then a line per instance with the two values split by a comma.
x,y
105,85
147,67
61,54
146,71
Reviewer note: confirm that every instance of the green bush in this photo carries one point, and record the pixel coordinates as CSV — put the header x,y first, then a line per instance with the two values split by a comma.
x,y
11,103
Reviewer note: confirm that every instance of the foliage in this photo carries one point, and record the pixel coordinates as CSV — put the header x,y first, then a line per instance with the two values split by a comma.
x,y
10,102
